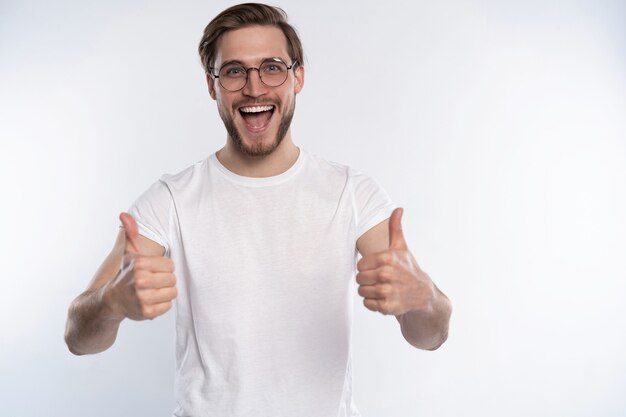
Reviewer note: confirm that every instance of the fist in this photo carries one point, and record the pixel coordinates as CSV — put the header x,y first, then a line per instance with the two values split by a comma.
x,y
145,286
391,281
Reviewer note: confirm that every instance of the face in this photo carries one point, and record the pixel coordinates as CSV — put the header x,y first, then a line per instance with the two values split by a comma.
x,y
257,117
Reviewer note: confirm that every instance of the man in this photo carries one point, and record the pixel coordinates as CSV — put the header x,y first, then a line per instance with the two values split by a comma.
x,y
264,237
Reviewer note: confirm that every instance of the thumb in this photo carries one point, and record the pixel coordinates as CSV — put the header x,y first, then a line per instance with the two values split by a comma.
x,y
130,228
396,237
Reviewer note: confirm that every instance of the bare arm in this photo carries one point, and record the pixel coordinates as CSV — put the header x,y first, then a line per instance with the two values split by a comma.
x,y
392,282
134,281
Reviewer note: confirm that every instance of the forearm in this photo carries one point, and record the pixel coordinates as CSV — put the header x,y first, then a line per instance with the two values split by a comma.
x,y
427,329
91,325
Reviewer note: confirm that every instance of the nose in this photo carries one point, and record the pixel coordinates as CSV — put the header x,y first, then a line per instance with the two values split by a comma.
x,y
254,86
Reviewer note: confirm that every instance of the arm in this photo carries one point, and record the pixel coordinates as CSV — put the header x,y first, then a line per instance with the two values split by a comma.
x,y
391,282
142,288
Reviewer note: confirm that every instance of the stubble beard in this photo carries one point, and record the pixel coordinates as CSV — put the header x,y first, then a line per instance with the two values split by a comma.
x,y
258,149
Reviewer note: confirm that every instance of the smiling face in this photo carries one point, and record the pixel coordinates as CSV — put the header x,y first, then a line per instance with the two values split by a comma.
x,y
257,117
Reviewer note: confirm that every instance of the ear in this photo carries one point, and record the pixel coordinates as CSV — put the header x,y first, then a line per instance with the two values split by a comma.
x,y
299,73
210,81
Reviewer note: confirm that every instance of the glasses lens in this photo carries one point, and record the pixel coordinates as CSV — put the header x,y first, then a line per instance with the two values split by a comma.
x,y
273,72
233,77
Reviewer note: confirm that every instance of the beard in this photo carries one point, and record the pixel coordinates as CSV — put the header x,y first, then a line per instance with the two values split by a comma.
x,y
258,149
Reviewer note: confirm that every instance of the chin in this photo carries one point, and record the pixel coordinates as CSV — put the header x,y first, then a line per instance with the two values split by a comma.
x,y
256,147
262,149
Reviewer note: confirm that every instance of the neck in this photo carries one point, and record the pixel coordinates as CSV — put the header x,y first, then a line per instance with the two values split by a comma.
x,y
279,161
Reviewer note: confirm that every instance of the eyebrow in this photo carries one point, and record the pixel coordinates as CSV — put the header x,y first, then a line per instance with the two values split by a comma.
x,y
236,61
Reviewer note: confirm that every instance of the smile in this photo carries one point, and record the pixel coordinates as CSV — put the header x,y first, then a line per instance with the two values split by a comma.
x,y
257,118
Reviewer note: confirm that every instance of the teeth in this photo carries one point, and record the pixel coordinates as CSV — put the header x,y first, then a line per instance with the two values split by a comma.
x,y
256,109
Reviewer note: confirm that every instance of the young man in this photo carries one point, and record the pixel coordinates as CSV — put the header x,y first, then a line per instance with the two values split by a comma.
x,y
264,237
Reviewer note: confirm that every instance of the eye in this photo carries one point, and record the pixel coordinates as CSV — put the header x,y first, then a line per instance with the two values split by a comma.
x,y
273,68
233,71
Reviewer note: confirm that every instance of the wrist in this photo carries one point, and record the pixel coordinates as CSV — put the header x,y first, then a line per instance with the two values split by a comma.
x,y
111,309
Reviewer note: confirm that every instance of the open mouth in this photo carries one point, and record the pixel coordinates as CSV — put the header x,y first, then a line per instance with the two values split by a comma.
x,y
257,117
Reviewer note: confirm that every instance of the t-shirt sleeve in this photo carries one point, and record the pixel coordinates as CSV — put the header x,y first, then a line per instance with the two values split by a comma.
x,y
372,205
152,212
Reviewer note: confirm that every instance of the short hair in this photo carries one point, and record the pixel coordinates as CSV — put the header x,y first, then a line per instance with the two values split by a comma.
x,y
242,15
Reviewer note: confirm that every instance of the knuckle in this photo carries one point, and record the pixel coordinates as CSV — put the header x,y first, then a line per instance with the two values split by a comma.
x,y
147,312
140,263
387,290
383,307
170,265
144,297
372,305
388,257
381,292
142,279
361,291
359,265
385,274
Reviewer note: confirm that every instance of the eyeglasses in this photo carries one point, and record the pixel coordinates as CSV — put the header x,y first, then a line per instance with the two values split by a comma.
x,y
234,76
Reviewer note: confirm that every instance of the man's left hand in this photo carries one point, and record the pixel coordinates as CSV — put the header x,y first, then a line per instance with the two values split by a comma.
x,y
391,281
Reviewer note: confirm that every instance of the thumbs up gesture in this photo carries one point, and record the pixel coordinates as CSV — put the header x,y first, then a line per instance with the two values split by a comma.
x,y
145,285
391,282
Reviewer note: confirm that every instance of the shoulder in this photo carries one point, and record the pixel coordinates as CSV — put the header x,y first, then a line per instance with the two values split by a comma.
x,y
183,179
162,193
331,167
328,168
355,181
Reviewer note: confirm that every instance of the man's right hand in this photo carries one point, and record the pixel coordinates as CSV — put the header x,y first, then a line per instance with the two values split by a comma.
x,y
145,285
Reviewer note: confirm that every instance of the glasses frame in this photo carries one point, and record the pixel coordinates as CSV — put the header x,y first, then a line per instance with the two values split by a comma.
x,y
258,70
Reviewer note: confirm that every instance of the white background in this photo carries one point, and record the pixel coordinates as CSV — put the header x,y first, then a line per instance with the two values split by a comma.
x,y
498,125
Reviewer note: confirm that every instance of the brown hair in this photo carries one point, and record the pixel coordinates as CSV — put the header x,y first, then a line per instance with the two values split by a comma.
x,y
246,14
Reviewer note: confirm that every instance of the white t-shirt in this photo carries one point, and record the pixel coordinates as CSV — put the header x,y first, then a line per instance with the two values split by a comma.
x,y
266,281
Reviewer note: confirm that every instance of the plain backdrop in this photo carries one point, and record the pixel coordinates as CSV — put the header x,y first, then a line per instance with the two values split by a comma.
x,y
498,125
